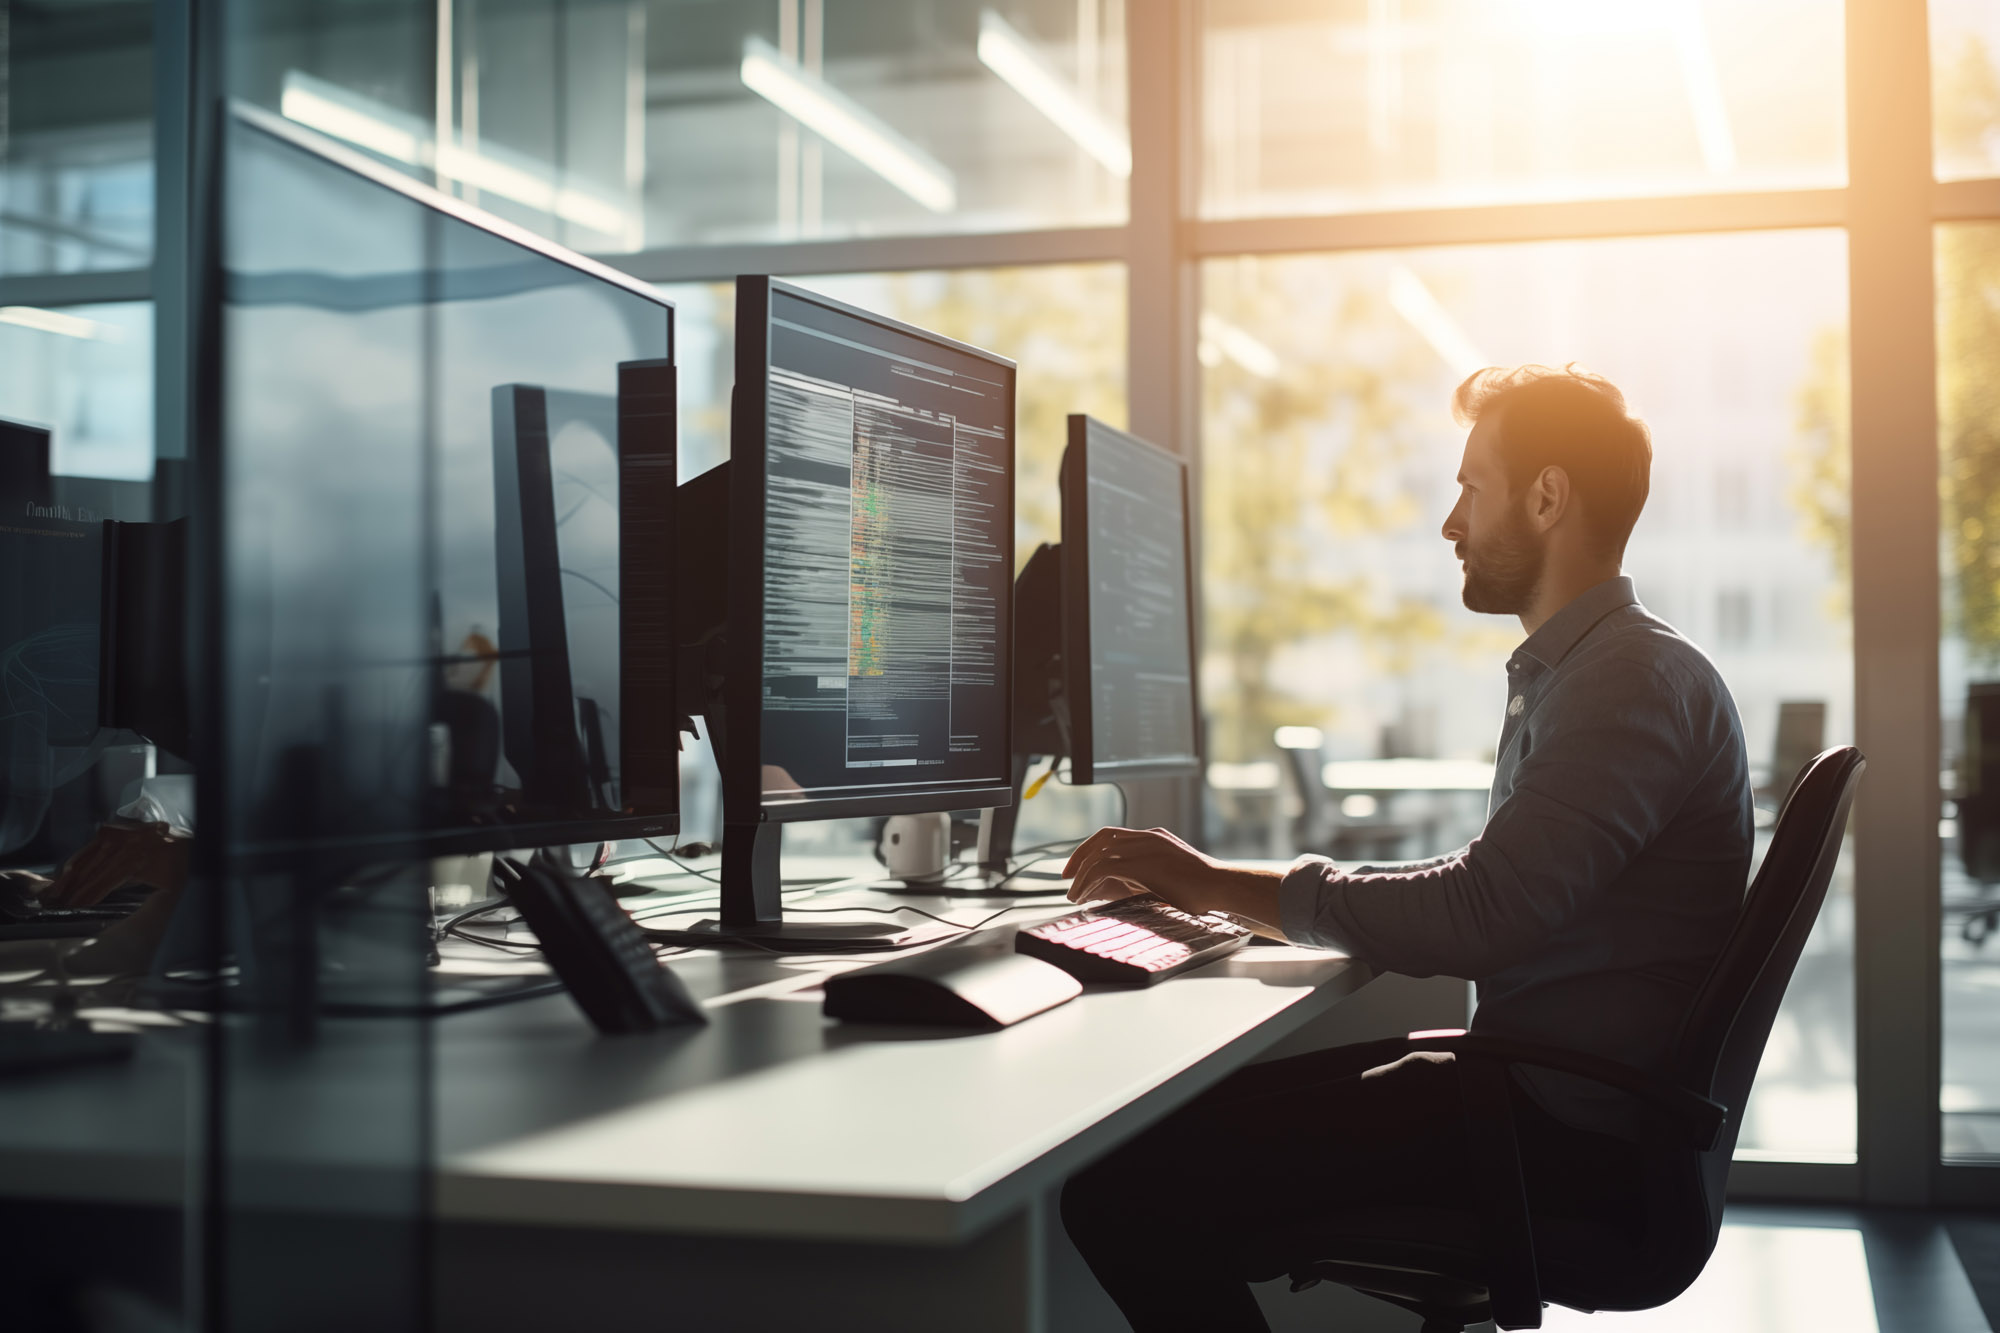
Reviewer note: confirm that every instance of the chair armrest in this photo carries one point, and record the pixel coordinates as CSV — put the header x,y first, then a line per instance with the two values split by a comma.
x,y
1698,1118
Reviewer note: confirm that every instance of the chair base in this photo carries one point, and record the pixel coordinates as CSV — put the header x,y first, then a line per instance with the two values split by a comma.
x,y
1446,1304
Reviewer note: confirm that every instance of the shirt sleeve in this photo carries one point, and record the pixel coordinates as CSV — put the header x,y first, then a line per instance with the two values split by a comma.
x,y
1611,761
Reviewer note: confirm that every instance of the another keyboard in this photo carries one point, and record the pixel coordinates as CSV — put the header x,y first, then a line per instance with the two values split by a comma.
x,y
1139,939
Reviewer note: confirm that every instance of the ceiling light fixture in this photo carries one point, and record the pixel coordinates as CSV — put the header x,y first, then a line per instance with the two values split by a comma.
x,y
54,321
1024,69
335,111
847,125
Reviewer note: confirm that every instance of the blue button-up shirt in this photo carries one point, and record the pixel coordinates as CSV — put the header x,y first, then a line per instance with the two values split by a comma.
x,y
1612,865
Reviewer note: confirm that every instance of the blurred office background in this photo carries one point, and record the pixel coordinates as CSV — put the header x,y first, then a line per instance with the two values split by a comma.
x,y
1273,235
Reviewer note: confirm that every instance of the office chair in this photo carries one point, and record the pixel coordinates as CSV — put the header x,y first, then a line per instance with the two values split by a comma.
x,y
1801,734
1457,1268
1978,805
1322,829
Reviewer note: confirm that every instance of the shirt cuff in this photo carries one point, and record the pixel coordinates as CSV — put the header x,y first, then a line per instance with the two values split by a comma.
x,y
1299,894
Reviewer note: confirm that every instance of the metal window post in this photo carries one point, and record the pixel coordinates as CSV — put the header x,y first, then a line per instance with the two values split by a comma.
x,y
1892,335
1162,385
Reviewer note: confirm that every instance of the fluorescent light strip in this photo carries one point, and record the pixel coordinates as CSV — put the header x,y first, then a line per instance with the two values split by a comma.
x,y
1220,339
327,116
1011,56
1704,90
343,115
847,125
1422,311
54,321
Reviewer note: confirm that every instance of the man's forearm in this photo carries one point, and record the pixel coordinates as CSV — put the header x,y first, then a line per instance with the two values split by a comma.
x,y
1249,894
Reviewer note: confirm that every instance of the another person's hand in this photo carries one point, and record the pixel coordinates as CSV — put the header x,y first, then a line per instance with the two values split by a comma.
x,y
1119,862
119,856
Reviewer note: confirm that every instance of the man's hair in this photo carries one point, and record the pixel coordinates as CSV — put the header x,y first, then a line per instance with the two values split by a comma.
x,y
1574,420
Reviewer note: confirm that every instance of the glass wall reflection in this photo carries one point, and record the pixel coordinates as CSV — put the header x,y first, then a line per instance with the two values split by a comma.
x,y
617,127
1353,701
76,138
420,666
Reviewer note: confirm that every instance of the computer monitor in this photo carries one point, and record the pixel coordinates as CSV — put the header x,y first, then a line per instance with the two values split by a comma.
x,y
52,547
1128,594
1104,650
446,499
871,554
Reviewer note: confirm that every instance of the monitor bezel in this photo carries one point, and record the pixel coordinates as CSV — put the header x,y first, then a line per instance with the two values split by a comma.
x,y
743,796
1084,768
207,553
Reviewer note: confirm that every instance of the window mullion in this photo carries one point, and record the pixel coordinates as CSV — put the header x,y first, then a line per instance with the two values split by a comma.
x,y
1896,617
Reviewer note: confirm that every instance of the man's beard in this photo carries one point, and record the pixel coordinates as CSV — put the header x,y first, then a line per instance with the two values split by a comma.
x,y
1502,572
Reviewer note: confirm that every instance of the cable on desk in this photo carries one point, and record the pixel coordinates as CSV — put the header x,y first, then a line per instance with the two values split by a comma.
x,y
990,918
673,854
880,911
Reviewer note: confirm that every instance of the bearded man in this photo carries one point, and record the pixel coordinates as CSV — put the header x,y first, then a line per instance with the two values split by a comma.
x,y
1610,871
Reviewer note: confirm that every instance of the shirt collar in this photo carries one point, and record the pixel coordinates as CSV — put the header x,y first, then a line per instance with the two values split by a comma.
x,y
1562,631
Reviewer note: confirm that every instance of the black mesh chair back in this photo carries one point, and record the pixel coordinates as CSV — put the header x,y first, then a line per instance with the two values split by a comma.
x,y
1723,1038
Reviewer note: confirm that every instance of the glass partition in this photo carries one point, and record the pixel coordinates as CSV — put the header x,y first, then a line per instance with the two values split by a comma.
x,y
1422,103
419,500
100,1086
1354,702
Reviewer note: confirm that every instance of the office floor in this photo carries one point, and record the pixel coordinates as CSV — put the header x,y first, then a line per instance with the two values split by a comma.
x,y
1775,1270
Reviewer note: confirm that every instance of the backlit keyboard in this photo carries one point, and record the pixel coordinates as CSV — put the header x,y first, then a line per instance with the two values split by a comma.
x,y
1139,939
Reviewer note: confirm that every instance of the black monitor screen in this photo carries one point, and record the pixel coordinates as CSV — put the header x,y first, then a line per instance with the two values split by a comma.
x,y
1126,549
888,558
425,494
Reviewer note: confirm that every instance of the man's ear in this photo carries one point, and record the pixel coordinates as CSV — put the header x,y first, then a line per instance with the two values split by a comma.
x,y
1548,498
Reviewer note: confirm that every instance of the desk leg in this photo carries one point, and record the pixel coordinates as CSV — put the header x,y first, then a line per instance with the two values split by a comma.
x,y
498,1279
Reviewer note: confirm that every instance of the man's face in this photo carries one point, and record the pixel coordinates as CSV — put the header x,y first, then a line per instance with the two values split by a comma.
x,y
1489,530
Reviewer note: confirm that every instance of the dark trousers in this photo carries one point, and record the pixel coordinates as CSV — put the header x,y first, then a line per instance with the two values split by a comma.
x,y
1235,1185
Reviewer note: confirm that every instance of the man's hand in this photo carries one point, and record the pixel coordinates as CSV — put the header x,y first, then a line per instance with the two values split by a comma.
x,y
1119,862
120,855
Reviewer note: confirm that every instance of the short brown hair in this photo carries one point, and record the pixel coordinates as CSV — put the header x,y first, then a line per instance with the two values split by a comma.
x,y
1574,420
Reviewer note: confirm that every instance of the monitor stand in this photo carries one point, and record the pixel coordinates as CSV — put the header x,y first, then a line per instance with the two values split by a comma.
x,y
753,906
1040,725
996,874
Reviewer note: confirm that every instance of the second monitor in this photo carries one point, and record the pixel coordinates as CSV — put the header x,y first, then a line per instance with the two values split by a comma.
x,y
1104,655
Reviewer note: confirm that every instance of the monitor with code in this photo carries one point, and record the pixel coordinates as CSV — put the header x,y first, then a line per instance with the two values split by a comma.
x,y
1128,638
887,563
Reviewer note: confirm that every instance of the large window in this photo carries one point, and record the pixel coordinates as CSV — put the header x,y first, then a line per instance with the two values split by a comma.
x,y
1398,103
1965,87
1333,603
76,148
1969,420
86,373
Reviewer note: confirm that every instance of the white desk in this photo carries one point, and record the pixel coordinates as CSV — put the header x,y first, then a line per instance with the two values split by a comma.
x,y
773,1168
776,1169
775,1121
